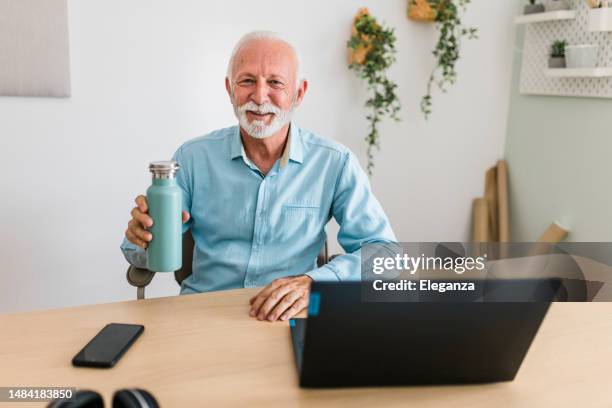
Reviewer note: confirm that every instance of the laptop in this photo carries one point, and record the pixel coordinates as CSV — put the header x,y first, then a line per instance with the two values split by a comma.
x,y
347,342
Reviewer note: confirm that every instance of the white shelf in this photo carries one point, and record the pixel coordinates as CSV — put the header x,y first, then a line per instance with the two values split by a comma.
x,y
579,72
547,16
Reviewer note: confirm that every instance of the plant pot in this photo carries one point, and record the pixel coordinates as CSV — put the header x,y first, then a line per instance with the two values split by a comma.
x,y
556,62
581,56
556,5
600,19
533,8
422,10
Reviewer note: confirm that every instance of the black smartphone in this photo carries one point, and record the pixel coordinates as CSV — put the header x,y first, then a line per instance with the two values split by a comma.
x,y
107,347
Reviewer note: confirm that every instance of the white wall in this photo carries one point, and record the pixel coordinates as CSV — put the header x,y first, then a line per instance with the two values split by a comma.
x,y
148,75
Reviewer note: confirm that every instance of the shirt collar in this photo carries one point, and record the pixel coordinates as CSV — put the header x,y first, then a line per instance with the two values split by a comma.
x,y
236,144
293,147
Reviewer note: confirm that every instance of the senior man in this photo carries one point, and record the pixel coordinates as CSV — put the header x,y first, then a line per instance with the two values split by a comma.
x,y
257,196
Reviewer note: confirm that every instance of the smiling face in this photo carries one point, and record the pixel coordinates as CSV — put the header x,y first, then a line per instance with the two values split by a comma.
x,y
263,86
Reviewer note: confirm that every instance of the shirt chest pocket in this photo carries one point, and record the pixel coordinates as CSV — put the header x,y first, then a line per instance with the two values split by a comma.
x,y
300,220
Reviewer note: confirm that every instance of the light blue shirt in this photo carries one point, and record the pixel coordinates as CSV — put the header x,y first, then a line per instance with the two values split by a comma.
x,y
250,228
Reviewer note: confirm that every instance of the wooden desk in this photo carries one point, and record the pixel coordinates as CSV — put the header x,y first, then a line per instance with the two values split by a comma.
x,y
204,350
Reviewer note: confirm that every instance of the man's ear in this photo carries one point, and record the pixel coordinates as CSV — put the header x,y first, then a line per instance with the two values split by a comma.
x,y
301,91
228,87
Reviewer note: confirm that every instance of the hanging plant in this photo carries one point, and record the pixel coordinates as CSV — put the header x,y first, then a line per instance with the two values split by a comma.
x,y
371,53
447,50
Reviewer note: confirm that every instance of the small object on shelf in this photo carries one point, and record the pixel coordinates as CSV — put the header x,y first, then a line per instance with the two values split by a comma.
x,y
548,16
556,62
600,19
556,5
593,3
581,55
533,7
557,55
601,72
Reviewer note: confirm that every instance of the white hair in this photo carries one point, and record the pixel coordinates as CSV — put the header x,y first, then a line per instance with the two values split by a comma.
x,y
263,35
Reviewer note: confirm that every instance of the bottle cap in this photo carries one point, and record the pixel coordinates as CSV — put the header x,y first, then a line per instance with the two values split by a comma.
x,y
164,169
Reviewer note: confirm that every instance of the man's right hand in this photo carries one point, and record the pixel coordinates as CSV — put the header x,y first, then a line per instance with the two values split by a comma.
x,y
137,230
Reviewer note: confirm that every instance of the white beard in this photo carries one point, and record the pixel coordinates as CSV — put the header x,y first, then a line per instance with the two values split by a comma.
x,y
257,128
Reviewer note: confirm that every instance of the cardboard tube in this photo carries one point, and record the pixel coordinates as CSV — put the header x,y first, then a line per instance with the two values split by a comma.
x,y
480,231
502,201
554,233
491,197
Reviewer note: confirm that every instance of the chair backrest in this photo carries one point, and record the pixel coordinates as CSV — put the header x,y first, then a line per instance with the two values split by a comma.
x,y
181,274
188,246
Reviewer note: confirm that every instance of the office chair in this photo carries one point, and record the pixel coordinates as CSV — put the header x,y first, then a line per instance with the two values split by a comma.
x,y
140,277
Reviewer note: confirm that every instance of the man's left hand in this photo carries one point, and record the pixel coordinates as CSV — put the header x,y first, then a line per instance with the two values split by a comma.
x,y
282,299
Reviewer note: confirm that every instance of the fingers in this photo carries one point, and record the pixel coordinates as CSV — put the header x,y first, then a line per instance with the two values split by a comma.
x,y
286,302
282,299
140,240
275,297
258,300
261,296
136,231
137,227
141,202
139,232
263,293
258,296
141,217
297,307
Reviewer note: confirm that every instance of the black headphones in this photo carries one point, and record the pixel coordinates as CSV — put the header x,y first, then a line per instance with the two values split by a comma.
x,y
125,398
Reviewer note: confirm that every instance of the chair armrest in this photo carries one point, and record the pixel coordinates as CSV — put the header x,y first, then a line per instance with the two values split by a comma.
x,y
139,278
332,257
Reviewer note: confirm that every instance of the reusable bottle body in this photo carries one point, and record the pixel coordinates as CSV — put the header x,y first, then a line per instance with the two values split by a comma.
x,y
165,250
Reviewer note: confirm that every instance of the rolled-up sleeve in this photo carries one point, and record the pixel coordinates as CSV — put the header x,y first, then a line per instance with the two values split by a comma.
x,y
361,218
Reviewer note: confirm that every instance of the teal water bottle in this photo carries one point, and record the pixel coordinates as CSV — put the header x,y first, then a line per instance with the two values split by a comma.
x,y
165,251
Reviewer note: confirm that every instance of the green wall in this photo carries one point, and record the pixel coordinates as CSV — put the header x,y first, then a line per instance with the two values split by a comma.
x,y
559,153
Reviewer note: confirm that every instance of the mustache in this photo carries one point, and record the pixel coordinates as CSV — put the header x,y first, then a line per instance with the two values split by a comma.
x,y
262,109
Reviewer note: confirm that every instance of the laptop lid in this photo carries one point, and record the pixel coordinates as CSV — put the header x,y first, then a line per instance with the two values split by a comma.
x,y
351,342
